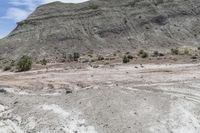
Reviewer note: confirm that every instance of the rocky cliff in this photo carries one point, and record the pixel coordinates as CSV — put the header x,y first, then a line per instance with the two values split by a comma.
x,y
105,26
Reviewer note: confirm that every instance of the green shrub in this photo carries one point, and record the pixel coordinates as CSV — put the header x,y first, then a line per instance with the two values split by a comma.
x,y
64,55
7,68
70,58
174,51
143,54
24,64
12,63
73,57
125,59
100,57
155,53
44,62
76,56
130,57
186,51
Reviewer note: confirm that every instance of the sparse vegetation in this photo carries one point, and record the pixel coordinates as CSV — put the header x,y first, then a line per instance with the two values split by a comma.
x,y
64,55
126,59
7,68
100,57
12,63
8,65
186,51
76,56
70,58
157,54
73,57
143,54
93,6
44,62
130,57
24,64
194,57
174,51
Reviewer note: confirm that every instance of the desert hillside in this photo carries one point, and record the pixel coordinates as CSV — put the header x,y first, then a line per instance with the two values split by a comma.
x,y
103,66
104,26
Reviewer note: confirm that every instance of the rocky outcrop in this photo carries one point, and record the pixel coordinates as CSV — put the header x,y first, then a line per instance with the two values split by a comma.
x,y
105,26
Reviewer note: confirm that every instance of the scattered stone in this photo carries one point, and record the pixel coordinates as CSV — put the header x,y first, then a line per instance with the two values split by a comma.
x,y
95,66
106,125
3,91
68,91
15,102
136,113
50,86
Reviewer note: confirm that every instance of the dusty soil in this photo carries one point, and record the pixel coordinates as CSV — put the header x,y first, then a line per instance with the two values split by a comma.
x,y
117,99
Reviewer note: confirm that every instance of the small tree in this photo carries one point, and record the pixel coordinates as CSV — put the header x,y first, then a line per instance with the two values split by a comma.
x,y
24,64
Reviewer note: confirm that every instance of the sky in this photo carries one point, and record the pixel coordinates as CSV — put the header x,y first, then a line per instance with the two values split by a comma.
x,y
13,11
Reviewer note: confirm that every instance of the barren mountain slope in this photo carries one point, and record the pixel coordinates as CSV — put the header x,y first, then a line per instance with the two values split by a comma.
x,y
105,26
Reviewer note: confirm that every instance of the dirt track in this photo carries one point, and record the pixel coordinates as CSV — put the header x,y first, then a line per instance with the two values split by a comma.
x,y
121,99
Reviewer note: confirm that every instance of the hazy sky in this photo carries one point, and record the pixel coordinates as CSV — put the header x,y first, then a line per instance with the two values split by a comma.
x,y
12,11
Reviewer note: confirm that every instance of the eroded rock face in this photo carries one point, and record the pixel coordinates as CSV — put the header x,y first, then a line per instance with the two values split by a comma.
x,y
105,26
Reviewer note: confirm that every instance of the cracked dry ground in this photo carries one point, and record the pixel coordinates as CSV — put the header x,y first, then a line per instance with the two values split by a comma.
x,y
121,99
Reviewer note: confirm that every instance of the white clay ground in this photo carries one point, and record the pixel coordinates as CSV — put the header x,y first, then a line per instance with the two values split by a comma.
x,y
120,99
